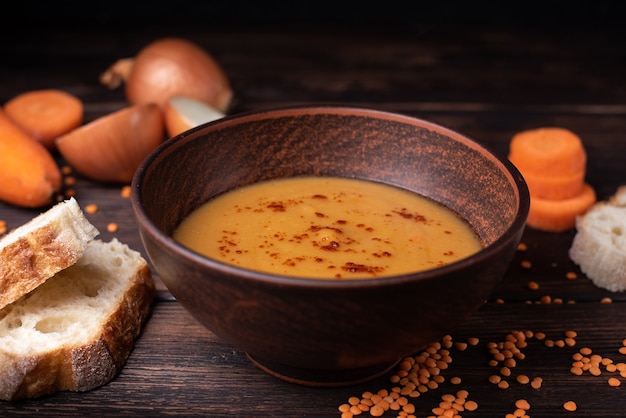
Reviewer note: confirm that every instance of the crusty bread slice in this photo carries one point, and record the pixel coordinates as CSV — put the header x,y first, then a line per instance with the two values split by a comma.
x,y
36,250
599,246
75,331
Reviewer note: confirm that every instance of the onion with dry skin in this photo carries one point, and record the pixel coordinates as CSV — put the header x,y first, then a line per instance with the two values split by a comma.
x,y
110,148
183,113
171,67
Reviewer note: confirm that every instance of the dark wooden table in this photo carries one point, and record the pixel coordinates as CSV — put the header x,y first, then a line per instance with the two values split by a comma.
x,y
487,81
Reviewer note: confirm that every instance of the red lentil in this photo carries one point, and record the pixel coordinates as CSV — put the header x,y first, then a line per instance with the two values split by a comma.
x,y
547,299
522,246
3,227
614,382
377,411
91,208
570,406
471,405
473,341
536,383
526,264
125,192
112,227
69,180
606,300
532,285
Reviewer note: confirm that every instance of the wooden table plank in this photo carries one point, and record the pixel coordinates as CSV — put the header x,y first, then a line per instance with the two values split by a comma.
x,y
486,81
179,368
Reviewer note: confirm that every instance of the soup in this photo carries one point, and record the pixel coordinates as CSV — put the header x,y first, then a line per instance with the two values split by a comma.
x,y
327,228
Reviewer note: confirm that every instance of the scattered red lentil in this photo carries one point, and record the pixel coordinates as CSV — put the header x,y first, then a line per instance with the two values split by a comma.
x,y
536,383
570,406
69,181
473,341
3,227
606,300
125,192
533,285
522,404
526,264
91,208
614,382
522,246
570,275
112,227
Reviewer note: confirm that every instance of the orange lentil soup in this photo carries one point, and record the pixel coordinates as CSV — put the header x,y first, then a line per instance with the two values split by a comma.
x,y
327,228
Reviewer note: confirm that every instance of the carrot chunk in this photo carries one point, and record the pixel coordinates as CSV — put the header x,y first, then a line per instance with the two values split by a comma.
x,y
29,175
45,114
555,187
553,162
548,152
559,215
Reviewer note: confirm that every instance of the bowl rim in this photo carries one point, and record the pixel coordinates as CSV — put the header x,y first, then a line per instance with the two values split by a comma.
x,y
516,227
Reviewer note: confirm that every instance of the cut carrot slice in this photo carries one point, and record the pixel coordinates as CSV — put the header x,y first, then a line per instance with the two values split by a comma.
x,y
555,187
45,114
559,215
548,152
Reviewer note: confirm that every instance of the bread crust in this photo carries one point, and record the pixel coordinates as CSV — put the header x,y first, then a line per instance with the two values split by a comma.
x,y
35,251
83,367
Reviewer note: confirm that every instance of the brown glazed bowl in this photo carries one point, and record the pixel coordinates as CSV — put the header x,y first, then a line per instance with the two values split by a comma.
x,y
327,332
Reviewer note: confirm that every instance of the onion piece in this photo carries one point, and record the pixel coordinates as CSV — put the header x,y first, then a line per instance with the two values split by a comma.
x,y
183,113
171,67
110,148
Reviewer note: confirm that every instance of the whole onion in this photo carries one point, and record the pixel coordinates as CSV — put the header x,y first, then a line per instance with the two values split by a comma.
x,y
171,67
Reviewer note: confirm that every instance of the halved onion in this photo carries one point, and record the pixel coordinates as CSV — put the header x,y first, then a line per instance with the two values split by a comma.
x,y
183,113
110,148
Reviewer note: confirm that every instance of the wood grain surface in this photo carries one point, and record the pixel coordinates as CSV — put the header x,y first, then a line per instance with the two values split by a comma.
x,y
487,81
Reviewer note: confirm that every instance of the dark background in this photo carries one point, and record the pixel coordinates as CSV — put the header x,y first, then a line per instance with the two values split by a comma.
x,y
56,14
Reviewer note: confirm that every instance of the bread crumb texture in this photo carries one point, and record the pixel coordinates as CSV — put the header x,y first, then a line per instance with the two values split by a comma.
x,y
599,246
36,250
76,330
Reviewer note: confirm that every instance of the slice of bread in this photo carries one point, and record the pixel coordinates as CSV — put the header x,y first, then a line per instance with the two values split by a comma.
x,y
36,250
75,331
599,246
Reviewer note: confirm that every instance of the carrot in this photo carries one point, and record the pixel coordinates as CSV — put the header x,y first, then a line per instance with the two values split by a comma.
x,y
548,152
559,215
555,187
45,114
553,163
29,175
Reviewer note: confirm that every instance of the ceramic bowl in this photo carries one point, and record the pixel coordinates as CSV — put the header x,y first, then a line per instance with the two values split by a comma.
x,y
329,332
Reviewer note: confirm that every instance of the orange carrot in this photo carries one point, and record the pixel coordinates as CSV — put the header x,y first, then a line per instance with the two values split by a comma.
x,y
553,163
555,187
45,114
29,175
559,215
548,152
